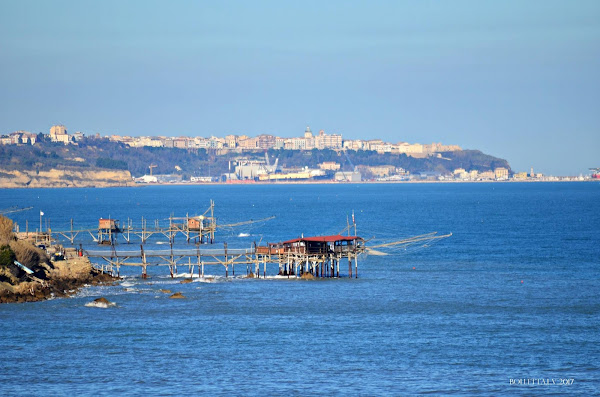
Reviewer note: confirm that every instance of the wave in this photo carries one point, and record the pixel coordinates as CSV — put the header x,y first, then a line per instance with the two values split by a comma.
x,y
102,304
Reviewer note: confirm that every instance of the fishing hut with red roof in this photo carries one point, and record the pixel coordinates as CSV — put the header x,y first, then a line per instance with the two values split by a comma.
x,y
319,256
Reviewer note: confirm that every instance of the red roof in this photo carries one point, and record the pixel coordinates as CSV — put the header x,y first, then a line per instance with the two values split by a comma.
x,y
324,239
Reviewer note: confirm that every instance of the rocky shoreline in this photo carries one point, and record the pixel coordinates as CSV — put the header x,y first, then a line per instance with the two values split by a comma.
x,y
28,275
53,288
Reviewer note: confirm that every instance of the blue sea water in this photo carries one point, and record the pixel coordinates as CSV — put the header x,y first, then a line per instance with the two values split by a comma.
x,y
510,299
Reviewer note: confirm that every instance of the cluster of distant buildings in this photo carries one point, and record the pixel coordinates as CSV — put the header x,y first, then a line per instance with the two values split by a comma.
x,y
498,174
391,173
308,141
19,138
241,143
58,133
263,171
502,174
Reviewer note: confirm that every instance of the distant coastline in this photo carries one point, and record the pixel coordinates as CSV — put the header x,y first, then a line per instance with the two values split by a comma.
x,y
320,182
92,156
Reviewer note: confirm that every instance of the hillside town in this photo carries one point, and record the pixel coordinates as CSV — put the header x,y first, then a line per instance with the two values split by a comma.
x,y
241,143
244,168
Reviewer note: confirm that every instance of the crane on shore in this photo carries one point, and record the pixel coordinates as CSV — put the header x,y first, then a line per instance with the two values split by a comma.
x,y
346,178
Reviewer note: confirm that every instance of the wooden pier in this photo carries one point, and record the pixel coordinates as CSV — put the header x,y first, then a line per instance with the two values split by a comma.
x,y
319,256
200,229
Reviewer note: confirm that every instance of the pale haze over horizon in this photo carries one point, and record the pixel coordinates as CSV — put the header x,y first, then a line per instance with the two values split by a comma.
x,y
518,80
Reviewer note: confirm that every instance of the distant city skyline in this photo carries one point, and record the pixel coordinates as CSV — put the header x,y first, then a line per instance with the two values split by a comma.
x,y
308,141
517,80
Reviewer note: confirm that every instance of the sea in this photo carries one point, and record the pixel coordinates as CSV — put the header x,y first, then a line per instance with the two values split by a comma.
x,y
508,305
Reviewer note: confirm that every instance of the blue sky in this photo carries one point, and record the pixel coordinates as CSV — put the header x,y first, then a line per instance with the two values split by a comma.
x,y
515,79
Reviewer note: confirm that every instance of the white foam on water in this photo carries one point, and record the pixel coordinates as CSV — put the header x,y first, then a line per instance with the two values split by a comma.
x,y
280,277
101,305
244,235
213,279
183,275
166,281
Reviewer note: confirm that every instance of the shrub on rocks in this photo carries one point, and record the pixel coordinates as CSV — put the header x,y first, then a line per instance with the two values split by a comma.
x,y
7,256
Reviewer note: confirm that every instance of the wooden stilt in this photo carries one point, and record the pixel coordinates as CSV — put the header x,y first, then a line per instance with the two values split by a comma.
x,y
350,266
226,260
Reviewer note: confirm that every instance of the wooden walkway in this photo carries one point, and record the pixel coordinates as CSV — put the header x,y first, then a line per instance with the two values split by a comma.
x,y
319,256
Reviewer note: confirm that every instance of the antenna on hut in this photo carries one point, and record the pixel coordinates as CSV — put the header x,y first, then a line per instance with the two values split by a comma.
x,y
348,225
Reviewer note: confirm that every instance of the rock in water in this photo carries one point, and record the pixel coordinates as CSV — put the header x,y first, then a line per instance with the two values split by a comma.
x,y
102,300
102,303
177,295
185,281
165,291
307,276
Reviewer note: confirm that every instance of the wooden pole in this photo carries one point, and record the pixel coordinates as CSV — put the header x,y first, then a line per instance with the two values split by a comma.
x,y
255,260
226,260
199,263
350,266
144,274
172,264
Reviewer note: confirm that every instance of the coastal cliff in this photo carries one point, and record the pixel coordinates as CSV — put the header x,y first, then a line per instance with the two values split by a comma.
x,y
36,277
91,157
57,279
69,177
